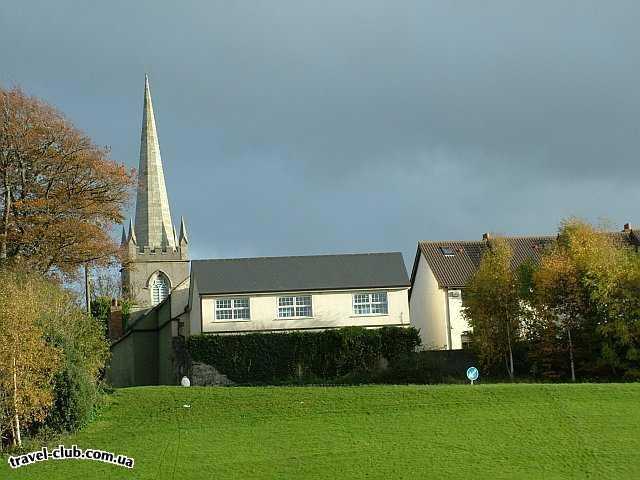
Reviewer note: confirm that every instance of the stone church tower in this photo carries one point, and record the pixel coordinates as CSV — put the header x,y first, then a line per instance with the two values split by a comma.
x,y
156,259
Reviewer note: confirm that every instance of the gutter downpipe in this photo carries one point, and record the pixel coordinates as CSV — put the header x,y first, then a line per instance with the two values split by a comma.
x,y
448,323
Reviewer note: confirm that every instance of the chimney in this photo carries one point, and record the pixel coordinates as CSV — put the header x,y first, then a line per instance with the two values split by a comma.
x,y
626,227
115,320
486,236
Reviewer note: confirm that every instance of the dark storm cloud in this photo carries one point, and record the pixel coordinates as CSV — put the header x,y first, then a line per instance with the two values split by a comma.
x,y
305,127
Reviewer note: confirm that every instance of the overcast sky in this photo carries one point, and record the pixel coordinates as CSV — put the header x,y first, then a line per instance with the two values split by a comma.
x,y
307,127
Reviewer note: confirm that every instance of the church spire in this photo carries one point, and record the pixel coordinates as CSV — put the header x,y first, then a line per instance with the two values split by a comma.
x,y
153,227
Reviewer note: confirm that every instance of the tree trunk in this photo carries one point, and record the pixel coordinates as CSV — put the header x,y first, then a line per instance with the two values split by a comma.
x,y
573,369
87,288
13,433
510,367
5,220
17,437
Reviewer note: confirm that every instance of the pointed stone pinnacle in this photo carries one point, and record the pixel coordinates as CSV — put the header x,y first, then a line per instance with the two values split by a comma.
x,y
132,233
183,232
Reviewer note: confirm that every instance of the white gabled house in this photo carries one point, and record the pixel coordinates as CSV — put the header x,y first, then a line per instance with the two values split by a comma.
x,y
297,293
441,271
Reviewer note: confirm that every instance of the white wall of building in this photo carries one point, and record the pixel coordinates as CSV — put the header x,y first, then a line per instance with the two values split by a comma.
x,y
330,309
428,306
435,311
457,322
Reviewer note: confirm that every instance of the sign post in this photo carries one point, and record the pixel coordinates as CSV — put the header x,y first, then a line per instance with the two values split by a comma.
x,y
472,374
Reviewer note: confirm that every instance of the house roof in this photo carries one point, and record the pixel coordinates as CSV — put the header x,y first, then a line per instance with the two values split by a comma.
x,y
453,263
625,237
462,258
300,273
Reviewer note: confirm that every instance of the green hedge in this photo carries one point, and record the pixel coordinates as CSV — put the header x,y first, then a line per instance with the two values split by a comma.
x,y
324,355
430,367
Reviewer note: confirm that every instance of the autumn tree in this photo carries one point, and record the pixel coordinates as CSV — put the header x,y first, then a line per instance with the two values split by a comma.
x,y
492,306
27,362
618,302
578,289
60,194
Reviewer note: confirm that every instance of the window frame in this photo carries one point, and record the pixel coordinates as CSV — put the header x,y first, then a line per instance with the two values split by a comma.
x,y
159,278
232,309
448,251
357,305
294,305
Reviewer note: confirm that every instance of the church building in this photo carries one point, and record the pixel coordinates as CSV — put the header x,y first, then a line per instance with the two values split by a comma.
x,y
156,259
174,297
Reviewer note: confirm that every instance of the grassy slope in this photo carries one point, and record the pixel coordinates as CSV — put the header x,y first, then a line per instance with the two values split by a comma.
x,y
484,431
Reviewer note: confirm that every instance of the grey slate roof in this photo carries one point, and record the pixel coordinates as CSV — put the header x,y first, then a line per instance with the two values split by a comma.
x,y
301,273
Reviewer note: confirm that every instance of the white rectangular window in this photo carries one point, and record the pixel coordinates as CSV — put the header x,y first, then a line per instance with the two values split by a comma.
x,y
294,306
370,303
232,309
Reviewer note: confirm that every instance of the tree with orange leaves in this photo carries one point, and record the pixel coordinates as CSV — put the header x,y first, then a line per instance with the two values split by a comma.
x,y
28,362
60,194
580,290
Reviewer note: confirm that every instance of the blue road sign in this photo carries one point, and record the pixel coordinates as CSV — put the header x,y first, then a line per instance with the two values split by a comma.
x,y
472,374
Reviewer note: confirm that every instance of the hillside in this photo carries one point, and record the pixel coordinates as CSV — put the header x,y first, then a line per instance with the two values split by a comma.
x,y
484,431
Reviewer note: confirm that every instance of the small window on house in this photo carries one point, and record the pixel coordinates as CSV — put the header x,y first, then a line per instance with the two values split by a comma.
x,y
294,306
159,288
448,251
370,303
232,309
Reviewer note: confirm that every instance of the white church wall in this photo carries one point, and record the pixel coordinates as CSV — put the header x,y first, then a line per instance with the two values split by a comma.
x,y
329,310
428,307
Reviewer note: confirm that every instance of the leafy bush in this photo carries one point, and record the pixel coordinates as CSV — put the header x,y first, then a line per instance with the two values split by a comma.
x,y
75,397
81,338
57,352
101,311
278,357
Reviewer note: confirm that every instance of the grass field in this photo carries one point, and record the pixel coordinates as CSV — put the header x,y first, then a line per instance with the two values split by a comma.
x,y
484,431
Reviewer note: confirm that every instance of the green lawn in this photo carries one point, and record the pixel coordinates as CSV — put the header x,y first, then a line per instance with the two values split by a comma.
x,y
430,432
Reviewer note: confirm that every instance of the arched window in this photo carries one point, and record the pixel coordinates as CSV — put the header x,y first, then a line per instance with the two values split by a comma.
x,y
159,288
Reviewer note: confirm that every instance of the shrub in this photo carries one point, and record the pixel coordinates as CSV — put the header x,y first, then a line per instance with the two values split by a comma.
x,y
101,311
85,350
56,351
75,397
278,357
